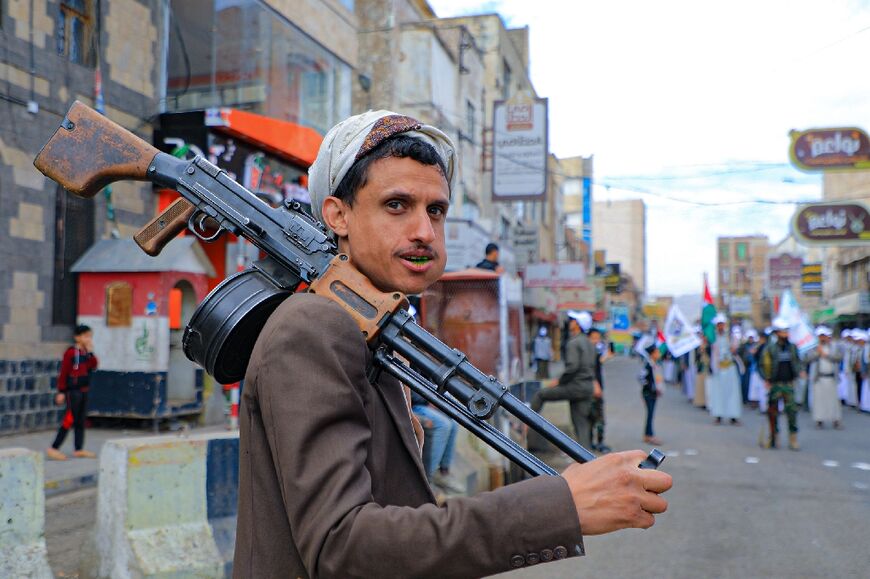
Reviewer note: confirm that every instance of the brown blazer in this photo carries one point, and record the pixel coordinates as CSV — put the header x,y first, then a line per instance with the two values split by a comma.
x,y
331,482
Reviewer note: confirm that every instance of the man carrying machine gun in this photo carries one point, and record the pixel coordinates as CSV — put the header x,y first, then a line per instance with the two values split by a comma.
x,y
331,478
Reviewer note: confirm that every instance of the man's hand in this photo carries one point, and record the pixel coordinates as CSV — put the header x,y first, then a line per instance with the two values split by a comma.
x,y
59,398
550,383
766,385
612,492
597,392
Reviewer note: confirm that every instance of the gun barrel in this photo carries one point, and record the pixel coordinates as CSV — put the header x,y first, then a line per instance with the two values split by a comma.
x,y
88,152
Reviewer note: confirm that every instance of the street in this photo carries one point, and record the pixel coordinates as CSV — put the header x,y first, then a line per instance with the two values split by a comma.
x,y
736,510
69,518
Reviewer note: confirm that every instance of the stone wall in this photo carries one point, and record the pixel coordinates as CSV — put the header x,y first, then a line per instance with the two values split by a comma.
x,y
27,389
32,71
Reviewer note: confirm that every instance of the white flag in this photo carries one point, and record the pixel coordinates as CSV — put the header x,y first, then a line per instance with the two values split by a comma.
x,y
800,331
678,333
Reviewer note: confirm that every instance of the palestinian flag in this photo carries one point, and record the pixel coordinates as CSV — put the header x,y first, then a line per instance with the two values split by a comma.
x,y
708,313
661,342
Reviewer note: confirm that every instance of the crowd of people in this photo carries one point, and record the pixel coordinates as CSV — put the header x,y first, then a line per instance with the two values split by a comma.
x,y
764,371
731,371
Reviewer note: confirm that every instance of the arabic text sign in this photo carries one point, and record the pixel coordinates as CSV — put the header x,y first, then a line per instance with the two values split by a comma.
x,y
832,224
821,149
519,169
555,275
784,270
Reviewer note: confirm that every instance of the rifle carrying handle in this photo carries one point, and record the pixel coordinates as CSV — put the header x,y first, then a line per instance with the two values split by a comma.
x,y
88,151
162,229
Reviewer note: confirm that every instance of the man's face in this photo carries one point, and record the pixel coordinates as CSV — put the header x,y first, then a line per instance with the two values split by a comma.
x,y
594,336
394,231
83,339
782,335
573,327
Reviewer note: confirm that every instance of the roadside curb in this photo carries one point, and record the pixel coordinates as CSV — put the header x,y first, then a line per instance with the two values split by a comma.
x,y
68,485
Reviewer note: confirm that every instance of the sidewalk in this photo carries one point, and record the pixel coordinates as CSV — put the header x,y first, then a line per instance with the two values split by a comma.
x,y
77,473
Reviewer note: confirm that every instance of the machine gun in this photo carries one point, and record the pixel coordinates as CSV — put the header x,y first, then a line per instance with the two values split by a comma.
x,y
88,151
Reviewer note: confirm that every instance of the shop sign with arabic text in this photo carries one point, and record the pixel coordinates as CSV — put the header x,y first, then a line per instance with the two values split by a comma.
x,y
825,149
832,224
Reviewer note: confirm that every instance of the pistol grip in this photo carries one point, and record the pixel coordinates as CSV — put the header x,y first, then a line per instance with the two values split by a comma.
x,y
162,229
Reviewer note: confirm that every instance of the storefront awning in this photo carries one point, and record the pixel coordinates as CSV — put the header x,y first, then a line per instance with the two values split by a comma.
x,y
288,140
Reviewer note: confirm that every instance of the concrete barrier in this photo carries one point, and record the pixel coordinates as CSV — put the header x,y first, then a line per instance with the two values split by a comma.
x,y
22,515
166,507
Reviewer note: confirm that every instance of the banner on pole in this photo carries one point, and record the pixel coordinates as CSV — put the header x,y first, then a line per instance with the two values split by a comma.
x,y
800,332
678,333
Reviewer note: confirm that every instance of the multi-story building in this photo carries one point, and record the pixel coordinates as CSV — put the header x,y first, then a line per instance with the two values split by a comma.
x,y
846,273
620,230
575,188
287,61
505,57
785,268
433,70
742,264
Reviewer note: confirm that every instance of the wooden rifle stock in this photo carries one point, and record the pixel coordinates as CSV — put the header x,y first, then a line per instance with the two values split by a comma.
x,y
88,151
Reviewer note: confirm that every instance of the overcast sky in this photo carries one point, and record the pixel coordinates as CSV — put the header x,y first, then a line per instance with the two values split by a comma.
x,y
689,100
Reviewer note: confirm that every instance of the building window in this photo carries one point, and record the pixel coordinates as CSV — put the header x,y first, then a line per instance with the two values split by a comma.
x,y
741,252
244,55
75,31
469,121
724,252
73,235
119,305
507,79
726,275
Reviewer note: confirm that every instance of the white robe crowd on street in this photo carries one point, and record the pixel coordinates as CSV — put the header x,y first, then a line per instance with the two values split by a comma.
x,y
725,374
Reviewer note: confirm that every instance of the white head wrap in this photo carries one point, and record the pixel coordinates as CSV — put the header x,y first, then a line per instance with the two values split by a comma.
x,y
824,331
352,138
720,318
583,319
780,323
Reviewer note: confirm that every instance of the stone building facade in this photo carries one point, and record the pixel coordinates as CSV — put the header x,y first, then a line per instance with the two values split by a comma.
x,y
57,51
52,50
742,274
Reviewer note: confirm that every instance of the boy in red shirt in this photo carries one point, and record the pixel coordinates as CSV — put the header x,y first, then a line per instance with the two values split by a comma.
x,y
72,384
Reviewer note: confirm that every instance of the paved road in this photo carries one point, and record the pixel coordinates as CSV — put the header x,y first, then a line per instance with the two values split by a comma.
x,y
735,510
68,520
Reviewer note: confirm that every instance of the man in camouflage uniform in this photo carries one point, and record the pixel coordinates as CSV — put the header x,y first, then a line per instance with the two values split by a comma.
x,y
780,366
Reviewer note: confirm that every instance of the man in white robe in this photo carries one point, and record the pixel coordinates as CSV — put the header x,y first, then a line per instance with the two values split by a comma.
x,y
726,400
824,362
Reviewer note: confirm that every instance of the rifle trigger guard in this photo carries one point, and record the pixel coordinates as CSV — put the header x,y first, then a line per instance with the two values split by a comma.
x,y
196,223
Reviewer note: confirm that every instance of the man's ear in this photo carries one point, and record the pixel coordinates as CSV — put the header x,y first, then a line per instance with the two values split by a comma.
x,y
334,213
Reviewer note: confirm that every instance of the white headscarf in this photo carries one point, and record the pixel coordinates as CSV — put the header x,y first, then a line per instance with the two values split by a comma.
x,y
352,138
